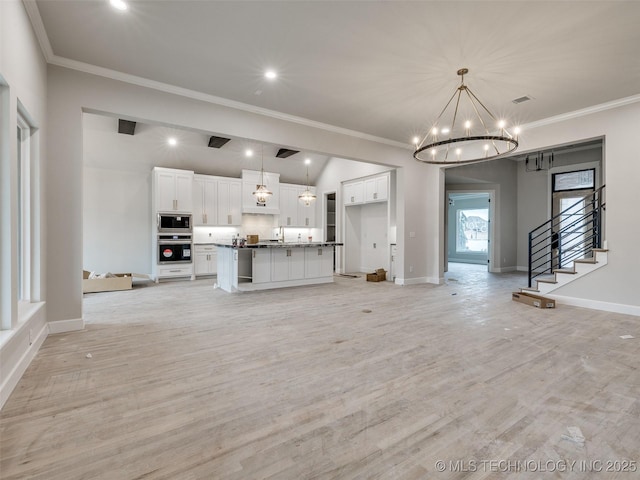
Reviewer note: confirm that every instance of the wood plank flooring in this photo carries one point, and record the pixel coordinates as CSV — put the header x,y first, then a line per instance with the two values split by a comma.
x,y
188,382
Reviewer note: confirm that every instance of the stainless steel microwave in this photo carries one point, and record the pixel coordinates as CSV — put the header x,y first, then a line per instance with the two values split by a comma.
x,y
173,223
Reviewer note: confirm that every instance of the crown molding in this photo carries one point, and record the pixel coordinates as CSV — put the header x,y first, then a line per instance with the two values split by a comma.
x,y
583,112
38,27
204,97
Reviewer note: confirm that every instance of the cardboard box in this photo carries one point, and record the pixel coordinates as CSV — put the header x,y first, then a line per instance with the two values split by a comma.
x,y
379,275
533,300
252,239
121,281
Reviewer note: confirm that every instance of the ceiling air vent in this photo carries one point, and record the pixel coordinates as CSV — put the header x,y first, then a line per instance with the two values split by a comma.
x,y
524,98
217,142
285,152
126,127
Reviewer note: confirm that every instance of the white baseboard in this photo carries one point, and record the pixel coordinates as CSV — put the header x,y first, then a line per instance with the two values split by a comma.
x,y
62,326
522,269
18,369
597,305
504,269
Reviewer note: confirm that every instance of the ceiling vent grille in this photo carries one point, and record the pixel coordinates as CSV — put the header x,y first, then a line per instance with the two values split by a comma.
x,y
524,98
217,142
285,152
127,127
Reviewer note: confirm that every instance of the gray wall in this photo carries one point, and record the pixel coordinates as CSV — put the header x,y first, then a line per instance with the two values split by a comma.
x,y
501,177
534,193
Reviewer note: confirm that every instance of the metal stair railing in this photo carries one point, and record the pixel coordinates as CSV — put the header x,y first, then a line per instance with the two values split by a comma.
x,y
570,235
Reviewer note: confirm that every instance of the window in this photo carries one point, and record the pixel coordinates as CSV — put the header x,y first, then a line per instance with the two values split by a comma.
x,y
24,210
472,227
578,180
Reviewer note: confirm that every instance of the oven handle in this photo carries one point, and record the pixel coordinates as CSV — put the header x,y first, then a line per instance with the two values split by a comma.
x,y
174,242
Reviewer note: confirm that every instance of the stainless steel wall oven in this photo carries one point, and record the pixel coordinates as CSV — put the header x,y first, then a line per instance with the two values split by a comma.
x,y
174,249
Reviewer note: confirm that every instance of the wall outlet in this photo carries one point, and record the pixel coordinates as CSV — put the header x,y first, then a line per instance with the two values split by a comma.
x,y
412,234
410,268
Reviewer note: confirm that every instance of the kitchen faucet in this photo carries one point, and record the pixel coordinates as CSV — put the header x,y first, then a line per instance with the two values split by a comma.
x,y
281,234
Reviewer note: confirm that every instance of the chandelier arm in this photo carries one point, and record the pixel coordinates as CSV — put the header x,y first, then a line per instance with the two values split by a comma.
x,y
475,109
438,118
455,112
481,104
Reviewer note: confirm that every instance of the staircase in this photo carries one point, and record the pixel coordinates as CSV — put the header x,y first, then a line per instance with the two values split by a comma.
x,y
561,276
567,246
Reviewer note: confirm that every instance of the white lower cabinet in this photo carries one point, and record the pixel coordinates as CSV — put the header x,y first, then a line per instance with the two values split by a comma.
x,y
205,258
261,265
318,262
287,264
175,271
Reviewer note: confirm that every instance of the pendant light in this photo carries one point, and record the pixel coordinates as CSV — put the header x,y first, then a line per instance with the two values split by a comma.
x,y
307,197
262,193
478,135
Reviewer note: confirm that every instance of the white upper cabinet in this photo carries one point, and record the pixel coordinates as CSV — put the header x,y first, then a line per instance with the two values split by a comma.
x,y
376,189
229,201
306,214
288,205
367,190
293,212
353,192
173,190
250,181
205,200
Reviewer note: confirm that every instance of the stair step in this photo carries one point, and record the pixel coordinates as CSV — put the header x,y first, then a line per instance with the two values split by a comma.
x,y
544,280
585,260
529,289
565,270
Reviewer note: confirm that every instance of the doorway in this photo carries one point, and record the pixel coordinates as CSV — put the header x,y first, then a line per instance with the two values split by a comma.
x,y
572,209
330,221
469,232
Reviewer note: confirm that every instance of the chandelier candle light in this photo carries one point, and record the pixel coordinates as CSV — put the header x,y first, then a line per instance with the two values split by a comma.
x,y
307,196
478,135
262,193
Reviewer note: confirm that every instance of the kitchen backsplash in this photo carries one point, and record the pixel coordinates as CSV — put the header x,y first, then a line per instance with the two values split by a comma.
x,y
265,226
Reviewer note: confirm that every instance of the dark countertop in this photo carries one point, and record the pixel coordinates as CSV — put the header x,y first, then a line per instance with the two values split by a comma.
x,y
282,245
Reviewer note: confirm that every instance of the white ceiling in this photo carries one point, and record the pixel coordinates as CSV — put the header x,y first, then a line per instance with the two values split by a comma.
x,y
381,68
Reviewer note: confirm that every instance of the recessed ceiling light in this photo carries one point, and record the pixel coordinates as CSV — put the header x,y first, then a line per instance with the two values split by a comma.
x,y
172,141
270,74
119,5
307,161
248,152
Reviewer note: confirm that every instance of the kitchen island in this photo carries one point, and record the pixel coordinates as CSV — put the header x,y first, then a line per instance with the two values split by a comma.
x,y
267,265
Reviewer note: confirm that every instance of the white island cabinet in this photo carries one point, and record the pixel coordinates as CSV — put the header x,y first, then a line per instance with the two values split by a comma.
x,y
274,265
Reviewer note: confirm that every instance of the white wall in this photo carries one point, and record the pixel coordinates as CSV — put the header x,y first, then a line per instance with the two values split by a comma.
x,y
534,195
23,79
116,221
618,283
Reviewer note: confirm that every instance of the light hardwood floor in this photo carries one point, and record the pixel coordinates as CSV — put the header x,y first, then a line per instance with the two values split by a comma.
x,y
351,380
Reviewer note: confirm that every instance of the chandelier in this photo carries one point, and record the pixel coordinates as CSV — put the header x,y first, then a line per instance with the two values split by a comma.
x,y
465,133
307,196
262,193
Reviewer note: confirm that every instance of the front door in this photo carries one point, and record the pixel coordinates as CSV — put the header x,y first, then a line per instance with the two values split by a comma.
x,y
571,204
